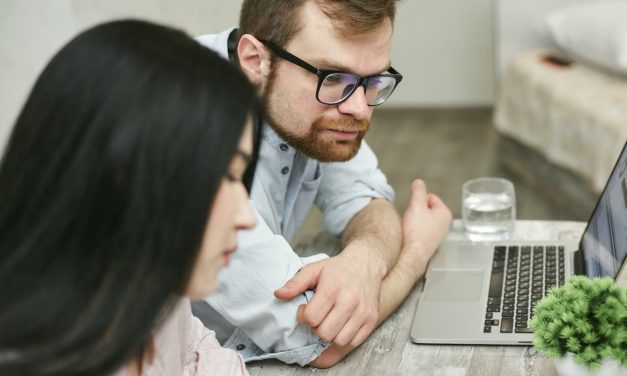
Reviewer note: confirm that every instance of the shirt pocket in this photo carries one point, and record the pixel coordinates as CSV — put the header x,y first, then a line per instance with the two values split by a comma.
x,y
303,199
307,194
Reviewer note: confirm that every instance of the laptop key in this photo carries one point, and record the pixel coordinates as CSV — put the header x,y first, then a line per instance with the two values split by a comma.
x,y
506,325
507,314
487,329
496,284
489,316
537,290
523,330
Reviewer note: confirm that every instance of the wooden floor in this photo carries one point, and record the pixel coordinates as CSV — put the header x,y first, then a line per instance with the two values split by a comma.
x,y
447,147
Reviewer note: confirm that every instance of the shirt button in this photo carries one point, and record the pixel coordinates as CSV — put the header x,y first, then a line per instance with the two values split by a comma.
x,y
285,170
240,347
284,147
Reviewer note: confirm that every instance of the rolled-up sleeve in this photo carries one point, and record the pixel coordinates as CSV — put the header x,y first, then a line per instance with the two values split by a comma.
x,y
347,187
266,327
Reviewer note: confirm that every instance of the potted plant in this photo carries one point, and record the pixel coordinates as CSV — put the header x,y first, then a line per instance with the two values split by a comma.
x,y
584,320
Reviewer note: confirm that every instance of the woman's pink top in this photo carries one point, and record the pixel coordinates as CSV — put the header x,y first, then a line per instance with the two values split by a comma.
x,y
183,346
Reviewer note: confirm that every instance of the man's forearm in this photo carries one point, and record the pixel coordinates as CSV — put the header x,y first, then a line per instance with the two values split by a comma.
x,y
395,288
376,228
425,224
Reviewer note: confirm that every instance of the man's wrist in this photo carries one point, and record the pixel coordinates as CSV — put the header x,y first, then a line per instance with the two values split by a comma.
x,y
374,263
413,261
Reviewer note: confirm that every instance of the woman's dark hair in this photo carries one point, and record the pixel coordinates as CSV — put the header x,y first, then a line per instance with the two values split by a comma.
x,y
105,190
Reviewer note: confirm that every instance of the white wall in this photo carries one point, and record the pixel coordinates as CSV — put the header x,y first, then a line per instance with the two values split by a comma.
x,y
31,31
444,48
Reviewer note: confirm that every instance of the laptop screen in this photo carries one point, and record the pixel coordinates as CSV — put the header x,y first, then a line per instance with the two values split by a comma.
x,y
604,243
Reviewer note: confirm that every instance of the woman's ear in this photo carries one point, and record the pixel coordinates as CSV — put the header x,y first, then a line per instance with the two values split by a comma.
x,y
254,60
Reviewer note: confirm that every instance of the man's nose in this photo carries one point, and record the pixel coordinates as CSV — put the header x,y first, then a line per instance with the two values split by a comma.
x,y
356,105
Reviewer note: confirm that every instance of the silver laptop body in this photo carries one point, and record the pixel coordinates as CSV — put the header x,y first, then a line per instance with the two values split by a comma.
x,y
460,289
453,305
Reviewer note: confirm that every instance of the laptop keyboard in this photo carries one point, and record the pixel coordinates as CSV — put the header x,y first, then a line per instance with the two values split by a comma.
x,y
521,276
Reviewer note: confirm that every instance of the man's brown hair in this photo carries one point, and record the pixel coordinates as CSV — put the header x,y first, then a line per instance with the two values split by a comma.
x,y
280,20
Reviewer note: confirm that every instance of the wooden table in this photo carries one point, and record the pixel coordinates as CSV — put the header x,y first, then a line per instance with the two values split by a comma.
x,y
389,350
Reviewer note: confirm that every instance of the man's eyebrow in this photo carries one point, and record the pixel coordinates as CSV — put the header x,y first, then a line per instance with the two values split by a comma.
x,y
326,64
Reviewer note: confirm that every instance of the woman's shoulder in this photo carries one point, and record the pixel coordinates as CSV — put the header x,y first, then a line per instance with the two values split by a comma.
x,y
184,346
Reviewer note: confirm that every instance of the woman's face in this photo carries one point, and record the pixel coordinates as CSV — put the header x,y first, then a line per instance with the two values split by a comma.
x,y
230,212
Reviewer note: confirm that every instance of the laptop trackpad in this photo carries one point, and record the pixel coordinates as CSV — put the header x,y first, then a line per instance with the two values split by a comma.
x,y
456,285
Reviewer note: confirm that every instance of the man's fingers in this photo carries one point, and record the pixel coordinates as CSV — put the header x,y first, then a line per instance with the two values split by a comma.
x,y
362,334
436,203
335,321
418,191
349,332
305,279
300,314
318,308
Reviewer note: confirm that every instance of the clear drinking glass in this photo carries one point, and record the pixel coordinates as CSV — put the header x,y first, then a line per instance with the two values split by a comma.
x,y
489,209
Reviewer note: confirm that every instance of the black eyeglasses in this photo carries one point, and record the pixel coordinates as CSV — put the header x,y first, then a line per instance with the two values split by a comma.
x,y
334,87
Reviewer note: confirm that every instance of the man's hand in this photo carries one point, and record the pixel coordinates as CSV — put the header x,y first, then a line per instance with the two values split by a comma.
x,y
425,224
345,306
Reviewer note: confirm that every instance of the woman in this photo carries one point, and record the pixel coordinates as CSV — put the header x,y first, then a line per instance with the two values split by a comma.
x,y
121,193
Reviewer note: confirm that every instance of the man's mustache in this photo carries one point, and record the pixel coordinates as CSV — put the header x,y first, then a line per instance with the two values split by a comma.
x,y
343,125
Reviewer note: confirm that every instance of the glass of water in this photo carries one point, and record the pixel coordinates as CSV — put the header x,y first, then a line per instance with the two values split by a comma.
x,y
489,209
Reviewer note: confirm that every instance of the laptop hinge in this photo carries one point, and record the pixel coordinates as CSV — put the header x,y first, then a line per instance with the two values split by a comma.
x,y
580,265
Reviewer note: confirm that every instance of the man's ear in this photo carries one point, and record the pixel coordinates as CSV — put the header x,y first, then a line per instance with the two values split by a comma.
x,y
254,59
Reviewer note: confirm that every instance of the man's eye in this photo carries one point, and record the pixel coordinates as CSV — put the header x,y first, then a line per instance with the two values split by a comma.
x,y
332,79
374,82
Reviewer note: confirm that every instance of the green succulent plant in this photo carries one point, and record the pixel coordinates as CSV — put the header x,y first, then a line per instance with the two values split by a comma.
x,y
586,317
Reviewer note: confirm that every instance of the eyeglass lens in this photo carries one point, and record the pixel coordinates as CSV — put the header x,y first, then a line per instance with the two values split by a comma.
x,y
338,86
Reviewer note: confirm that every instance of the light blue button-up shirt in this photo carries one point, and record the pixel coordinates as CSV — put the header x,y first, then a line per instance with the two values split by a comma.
x,y
243,310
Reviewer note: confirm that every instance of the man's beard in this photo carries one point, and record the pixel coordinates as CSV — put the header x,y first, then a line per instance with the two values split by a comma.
x,y
313,143
326,149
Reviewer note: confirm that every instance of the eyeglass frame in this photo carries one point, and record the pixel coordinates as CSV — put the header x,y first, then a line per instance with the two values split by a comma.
x,y
323,73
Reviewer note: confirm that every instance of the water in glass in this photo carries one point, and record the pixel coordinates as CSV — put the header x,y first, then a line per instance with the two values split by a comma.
x,y
489,208
488,212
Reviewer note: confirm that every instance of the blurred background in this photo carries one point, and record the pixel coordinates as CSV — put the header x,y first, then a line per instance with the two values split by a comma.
x,y
490,88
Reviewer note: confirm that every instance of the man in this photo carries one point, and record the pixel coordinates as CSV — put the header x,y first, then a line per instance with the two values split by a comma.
x,y
320,66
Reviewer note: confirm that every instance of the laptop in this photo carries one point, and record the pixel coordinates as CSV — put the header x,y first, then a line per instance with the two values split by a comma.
x,y
484,293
